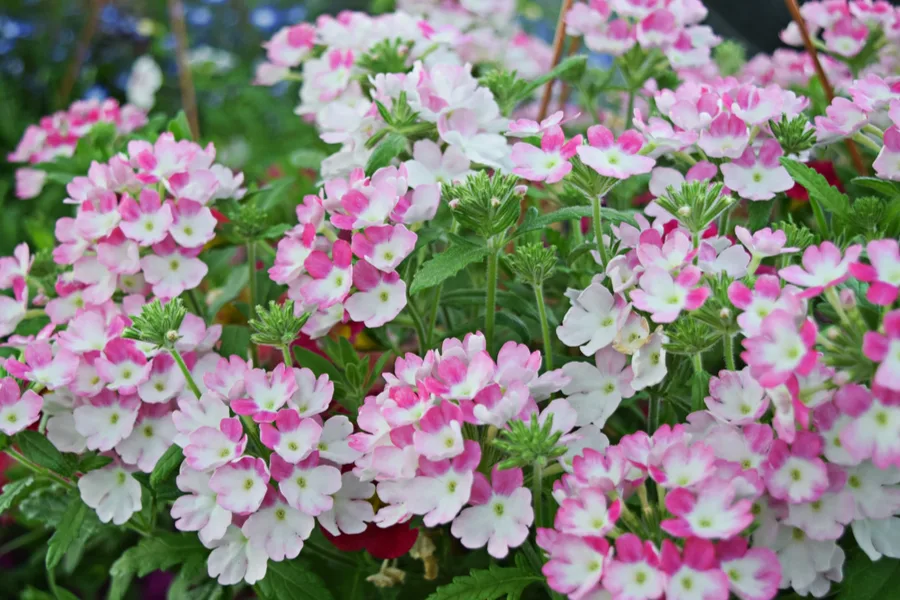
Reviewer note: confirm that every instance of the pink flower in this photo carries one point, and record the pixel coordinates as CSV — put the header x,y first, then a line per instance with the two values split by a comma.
x,y
307,485
595,392
695,573
659,29
796,473
499,516
669,255
873,92
634,573
17,410
527,127
885,349
384,247
241,485
380,296
780,350
473,133
588,514
290,45
576,564
16,267
594,320
294,439
268,392
763,243
883,274
171,270
736,397
97,219
456,380
753,573
846,37
277,528
823,267
197,509
44,367
213,447
152,435
147,222
99,280
712,513
843,119
758,176
194,223
683,466
440,432
616,158
123,366
351,510
313,394
826,517
106,419
548,163
12,310
496,406
665,297
727,136
873,432
331,277
228,379
887,164
290,258
361,211
755,105
29,183
766,297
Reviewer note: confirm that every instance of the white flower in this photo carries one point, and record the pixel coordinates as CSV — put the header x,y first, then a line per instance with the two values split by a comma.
x,y
351,510
143,82
234,559
112,492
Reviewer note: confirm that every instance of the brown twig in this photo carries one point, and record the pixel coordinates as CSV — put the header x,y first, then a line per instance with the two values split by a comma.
x,y
574,46
88,30
558,40
823,79
185,81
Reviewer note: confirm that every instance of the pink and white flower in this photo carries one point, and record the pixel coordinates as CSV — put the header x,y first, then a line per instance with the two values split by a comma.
x,y
885,350
712,513
277,528
384,247
106,419
351,509
17,410
664,297
634,573
194,224
764,243
823,267
576,564
758,175
146,221
883,274
439,435
594,320
548,163
233,559
766,297
616,158
172,270
294,438
44,366
151,437
795,472
727,137
873,432
596,391
267,393
753,573
241,485
843,119
123,366
380,296
587,515
693,573
307,485
736,397
781,349
331,277
197,510
887,163
213,447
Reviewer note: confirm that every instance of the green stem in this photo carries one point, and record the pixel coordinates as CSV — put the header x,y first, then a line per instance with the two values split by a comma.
x,y
418,325
22,540
185,371
864,140
286,354
697,389
252,431
537,491
754,264
195,304
33,313
598,231
545,326
872,130
493,261
251,264
39,470
687,158
630,114
728,343
653,413
433,313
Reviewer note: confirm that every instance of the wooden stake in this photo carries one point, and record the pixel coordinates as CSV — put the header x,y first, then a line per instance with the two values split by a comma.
x,y
88,30
558,40
185,81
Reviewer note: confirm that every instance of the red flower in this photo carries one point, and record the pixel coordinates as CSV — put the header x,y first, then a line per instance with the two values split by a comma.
x,y
390,542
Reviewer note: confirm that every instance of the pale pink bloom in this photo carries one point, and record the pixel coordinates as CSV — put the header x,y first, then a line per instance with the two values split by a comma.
x,y
380,296
496,406
649,361
439,435
172,270
616,158
694,574
605,470
727,137
312,395
234,559
29,183
596,391
428,166
467,130
197,185
456,380
442,488
683,466
97,219
873,432
361,210
418,205
351,509
887,164
197,509
213,447
17,410
12,310
823,267
796,473
753,573
781,349
384,247
99,282
661,178
589,437
712,513
106,419
119,254
721,256
877,537
766,297
499,516
527,127
826,517
228,379
548,163
755,105
843,119
736,397
290,258
194,223
269,74
588,515
758,175
331,277
267,393
661,133
633,573
241,485
665,297
517,363
151,437
576,564
294,439
43,366
148,221
229,183
195,336
803,559
659,29
277,528
307,486
290,45
873,92
405,405
112,492
194,413
670,255
763,243
885,350
594,319
15,268
846,37
123,366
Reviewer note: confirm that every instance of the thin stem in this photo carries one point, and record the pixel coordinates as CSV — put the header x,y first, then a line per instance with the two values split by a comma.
x,y
653,413
754,263
254,293
433,313
493,261
872,130
687,158
545,326
537,492
286,355
418,325
38,469
598,231
85,37
189,379
819,214
558,39
22,540
868,142
195,304
630,114
728,343
696,389
252,431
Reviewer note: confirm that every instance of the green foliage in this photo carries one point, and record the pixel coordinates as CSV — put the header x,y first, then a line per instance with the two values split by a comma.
x,y
487,584
533,263
695,204
690,336
529,443
276,325
292,579
867,580
235,283
822,195
235,340
730,56
795,134
160,552
390,147
386,56
38,449
487,205
179,127
439,268
402,120
158,323
166,466
92,462
11,491
67,532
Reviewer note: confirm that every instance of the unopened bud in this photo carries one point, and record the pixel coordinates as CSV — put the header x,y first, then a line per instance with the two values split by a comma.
x,y
495,202
848,298
172,336
454,204
832,333
841,378
521,189
684,211
725,313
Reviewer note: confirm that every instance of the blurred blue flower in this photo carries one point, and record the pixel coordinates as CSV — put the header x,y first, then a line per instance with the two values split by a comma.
x,y
59,53
602,61
95,92
6,46
296,14
121,80
109,15
14,66
264,17
9,29
200,16
214,1
280,88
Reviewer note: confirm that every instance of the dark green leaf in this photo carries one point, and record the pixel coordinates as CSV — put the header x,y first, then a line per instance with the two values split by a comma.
x,y
571,69
292,579
92,463
888,189
275,193
180,128
515,324
389,148
867,580
166,466
235,340
38,449
237,281
276,231
759,214
11,491
68,530
534,220
445,265
158,553
316,363
487,584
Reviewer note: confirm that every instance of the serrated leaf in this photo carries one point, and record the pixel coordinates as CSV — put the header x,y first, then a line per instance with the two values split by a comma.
x,y
445,265
888,189
179,127
292,579
158,553
11,491
389,148
68,530
166,466
38,449
534,220
488,584
831,198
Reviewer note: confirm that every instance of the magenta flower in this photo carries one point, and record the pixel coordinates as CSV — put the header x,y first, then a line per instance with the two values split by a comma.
x,y
872,434
294,438
823,267
123,366
664,297
290,45
727,137
291,255
684,466
331,277
763,243
633,573
241,485
227,380
548,163
576,564
212,447
17,410
883,274
146,221
755,105
781,350
457,380
843,119
694,572
384,247
267,393
795,472
588,515
885,350
887,164
379,298
616,158
440,432
753,573
758,175
43,366
712,513
307,486
758,303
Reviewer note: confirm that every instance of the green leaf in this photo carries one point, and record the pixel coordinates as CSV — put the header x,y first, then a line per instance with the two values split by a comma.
x,y
166,466
66,533
276,231
867,580
831,198
237,281
389,148
11,491
759,214
571,69
487,584
180,127
316,363
292,579
275,193
534,220
888,189
92,463
235,340
515,324
38,449
446,265
158,553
